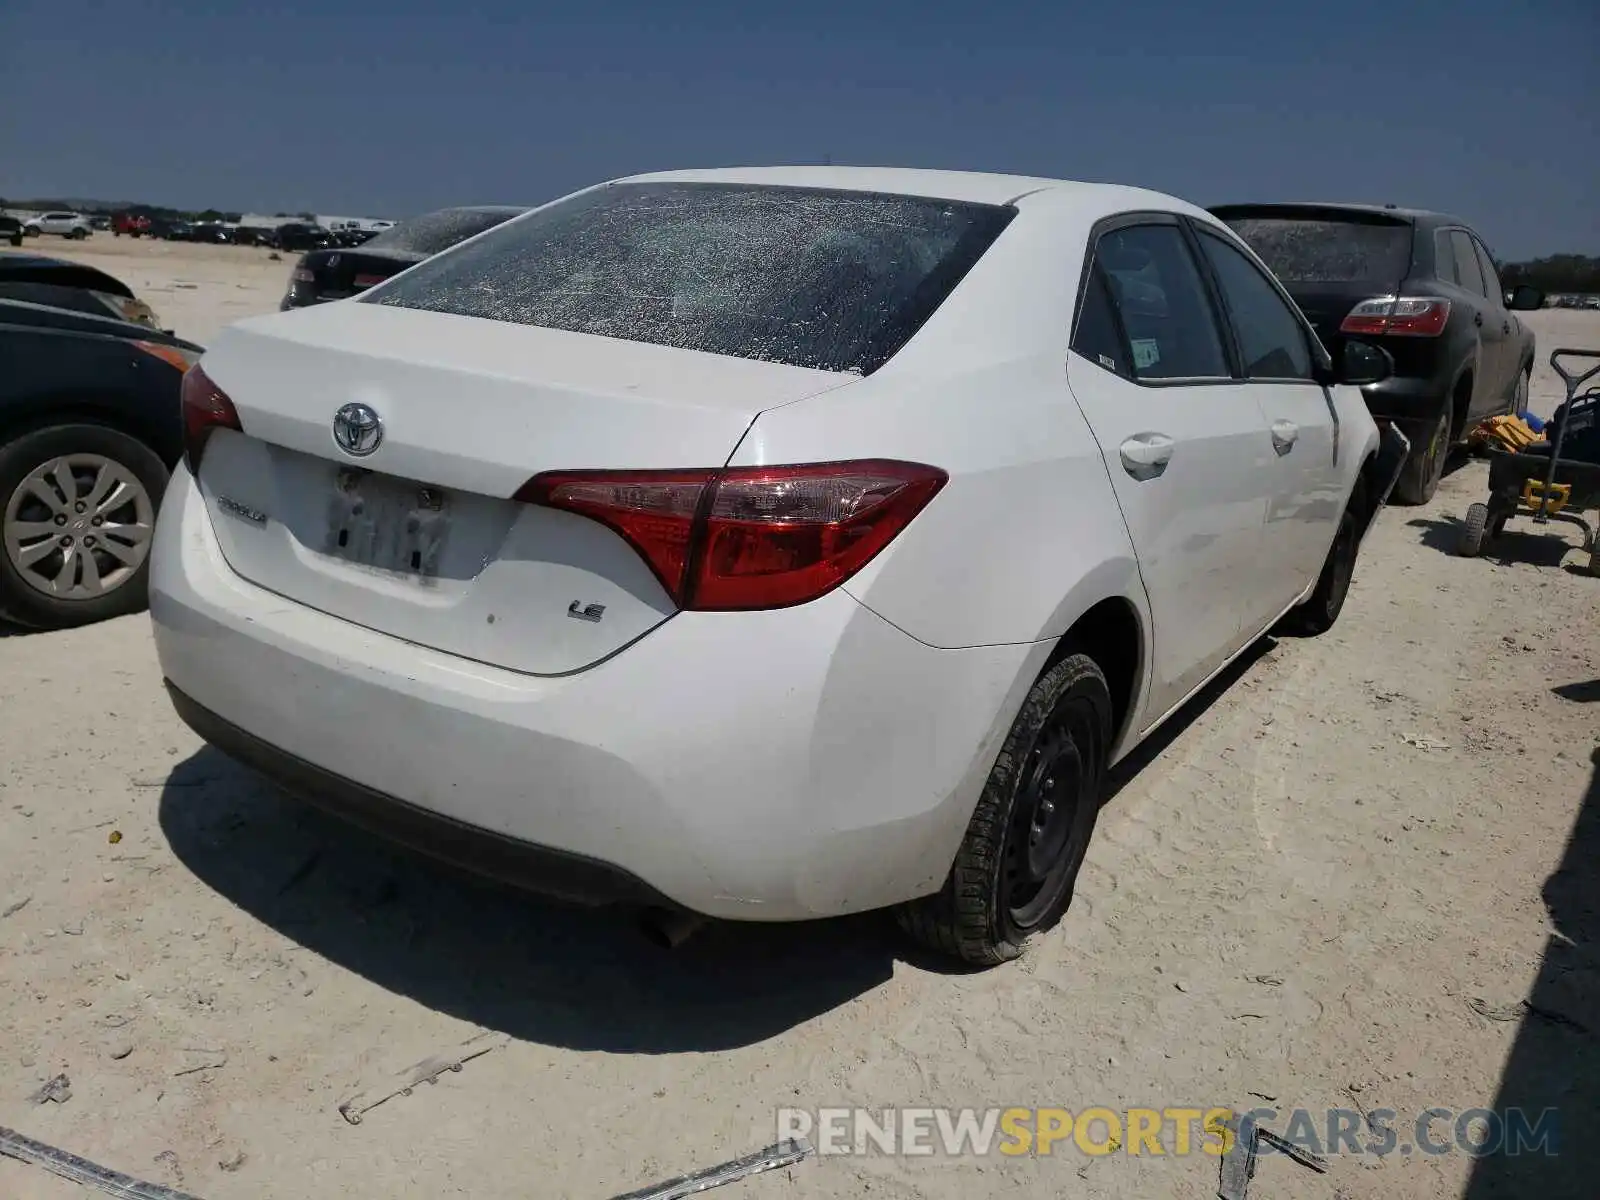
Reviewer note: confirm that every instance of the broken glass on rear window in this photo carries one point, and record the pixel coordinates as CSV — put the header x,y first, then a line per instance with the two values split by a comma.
x,y
830,280
1322,251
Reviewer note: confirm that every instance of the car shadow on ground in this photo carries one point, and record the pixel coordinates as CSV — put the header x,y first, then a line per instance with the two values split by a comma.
x,y
499,958
1554,1063
1520,542
1147,751
513,962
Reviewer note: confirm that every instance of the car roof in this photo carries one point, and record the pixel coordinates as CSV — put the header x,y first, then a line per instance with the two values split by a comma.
x,y
976,187
1417,216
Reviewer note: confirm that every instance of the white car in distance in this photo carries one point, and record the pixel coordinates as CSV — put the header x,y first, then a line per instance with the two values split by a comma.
x,y
762,544
63,224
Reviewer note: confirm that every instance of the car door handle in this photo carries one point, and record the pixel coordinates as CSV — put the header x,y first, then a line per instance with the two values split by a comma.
x,y
1146,455
1284,436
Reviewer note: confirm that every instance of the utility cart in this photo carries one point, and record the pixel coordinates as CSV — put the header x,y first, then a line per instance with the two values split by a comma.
x,y
1557,480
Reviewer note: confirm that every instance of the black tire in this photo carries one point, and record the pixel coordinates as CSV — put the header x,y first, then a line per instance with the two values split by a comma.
x,y
1519,392
1419,478
1050,769
22,601
1318,612
1473,528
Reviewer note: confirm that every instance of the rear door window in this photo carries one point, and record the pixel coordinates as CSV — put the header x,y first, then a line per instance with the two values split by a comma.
x,y
819,278
1468,274
1159,294
1493,288
1272,341
1327,250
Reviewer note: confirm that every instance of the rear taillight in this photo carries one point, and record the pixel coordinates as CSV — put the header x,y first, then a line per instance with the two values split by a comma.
x,y
173,356
1404,316
749,537
363,281
206,407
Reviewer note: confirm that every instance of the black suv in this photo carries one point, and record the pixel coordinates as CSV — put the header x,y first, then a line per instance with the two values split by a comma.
x,y
299,235
1423,286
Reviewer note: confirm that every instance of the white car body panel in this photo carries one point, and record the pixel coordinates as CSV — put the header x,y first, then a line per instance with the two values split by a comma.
x,y
778,764
62,223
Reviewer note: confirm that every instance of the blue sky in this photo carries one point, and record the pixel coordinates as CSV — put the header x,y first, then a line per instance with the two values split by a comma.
x,y
390,107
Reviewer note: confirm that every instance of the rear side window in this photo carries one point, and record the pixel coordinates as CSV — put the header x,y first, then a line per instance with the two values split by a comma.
x,y
832,280
1096,337
1468,274
1272,342
1444,257
1302,250
1157,290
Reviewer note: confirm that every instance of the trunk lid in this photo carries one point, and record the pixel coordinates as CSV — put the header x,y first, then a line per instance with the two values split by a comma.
x,y
419,539
337,274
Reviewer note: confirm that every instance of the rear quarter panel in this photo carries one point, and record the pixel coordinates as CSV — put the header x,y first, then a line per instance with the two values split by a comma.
x,y
49,375
1027,534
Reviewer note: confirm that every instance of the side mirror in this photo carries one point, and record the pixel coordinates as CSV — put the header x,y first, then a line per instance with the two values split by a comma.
x,y
1361,363
1526,299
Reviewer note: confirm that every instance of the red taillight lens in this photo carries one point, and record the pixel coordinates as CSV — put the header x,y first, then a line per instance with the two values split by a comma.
x,y
205,407
1406,316
749,537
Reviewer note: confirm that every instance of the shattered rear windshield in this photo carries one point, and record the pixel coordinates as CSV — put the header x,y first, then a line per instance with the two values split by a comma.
x,y
1300,250
831,280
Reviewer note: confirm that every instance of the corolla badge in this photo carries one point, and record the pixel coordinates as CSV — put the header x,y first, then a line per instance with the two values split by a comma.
x,y
357,430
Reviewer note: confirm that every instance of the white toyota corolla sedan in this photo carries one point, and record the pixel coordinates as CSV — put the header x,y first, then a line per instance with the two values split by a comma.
x,y
762,544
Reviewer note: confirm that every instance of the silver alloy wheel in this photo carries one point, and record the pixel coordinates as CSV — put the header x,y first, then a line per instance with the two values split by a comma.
x,y
78,526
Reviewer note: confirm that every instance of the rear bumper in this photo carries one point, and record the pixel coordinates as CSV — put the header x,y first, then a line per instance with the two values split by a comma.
x,y
1408,399
567,876
779,765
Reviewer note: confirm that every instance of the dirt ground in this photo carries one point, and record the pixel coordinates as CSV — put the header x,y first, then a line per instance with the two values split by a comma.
x,y
1342,879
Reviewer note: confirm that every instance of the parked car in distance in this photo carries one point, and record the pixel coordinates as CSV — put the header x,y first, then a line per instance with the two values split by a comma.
x,y
1422,285
299,235
131,224
59,283
90,429
213,232
334,274
100,222
11,229
928,494
353,236
62,224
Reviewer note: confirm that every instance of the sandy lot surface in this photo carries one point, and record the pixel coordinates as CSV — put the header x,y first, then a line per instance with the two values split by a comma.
x,y
1342,879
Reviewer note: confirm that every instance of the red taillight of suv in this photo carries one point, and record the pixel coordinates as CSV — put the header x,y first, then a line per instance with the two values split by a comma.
x,y
1405,316
749,537
206,407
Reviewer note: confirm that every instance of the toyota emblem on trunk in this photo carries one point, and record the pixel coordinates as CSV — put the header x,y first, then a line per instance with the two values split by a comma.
x,y
357,430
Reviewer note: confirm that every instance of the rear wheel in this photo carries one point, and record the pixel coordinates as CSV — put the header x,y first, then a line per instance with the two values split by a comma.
x,y
1318,612
77,513
1014,873
1519,394
1419,478
1473,528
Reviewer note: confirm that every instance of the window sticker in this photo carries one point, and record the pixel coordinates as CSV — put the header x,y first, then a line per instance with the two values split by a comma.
x,y
1146,353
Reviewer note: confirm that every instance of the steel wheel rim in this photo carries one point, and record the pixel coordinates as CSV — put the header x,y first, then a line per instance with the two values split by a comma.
x,y
78,526
1046,839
